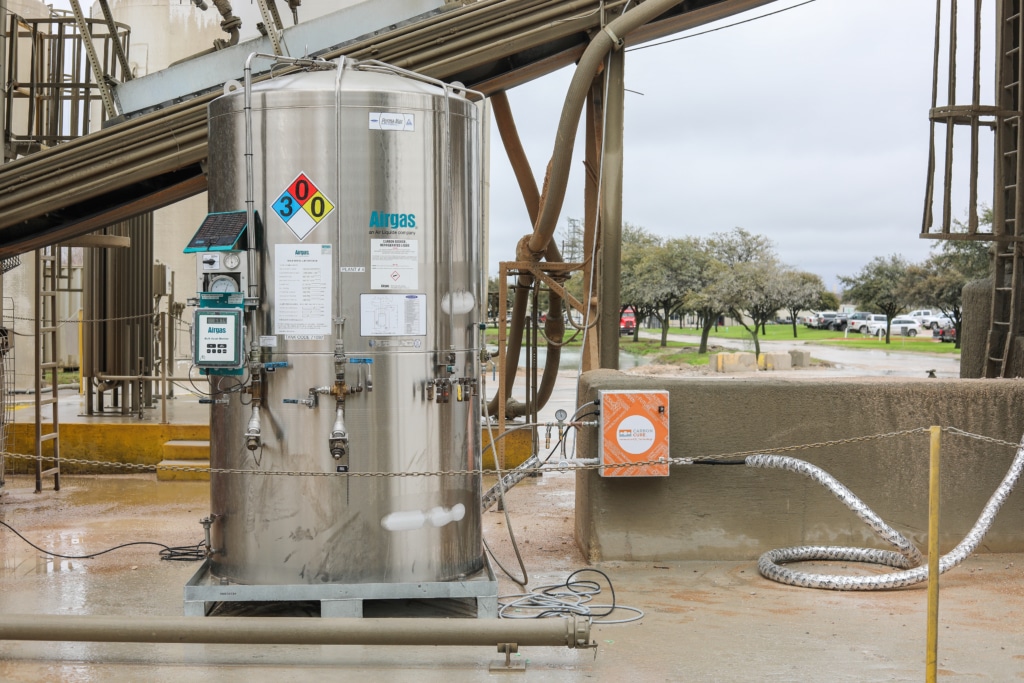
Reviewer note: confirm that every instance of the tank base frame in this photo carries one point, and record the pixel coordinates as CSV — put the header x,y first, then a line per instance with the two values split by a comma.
x,y
204,591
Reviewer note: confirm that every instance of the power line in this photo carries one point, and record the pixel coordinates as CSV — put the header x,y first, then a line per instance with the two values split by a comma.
x,y
719,28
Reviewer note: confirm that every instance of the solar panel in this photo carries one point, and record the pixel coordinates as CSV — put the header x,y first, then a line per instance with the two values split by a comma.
x,y
219,231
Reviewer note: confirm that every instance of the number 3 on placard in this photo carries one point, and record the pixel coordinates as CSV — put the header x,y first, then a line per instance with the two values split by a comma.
x,y
287,207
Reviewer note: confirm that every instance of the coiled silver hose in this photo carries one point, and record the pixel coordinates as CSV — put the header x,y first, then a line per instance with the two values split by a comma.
x,y
906,558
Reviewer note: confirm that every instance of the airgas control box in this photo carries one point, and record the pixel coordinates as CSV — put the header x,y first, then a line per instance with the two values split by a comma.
x,y
217,335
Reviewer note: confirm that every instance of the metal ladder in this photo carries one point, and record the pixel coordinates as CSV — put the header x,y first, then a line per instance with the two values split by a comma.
x,y
47,355
1005,326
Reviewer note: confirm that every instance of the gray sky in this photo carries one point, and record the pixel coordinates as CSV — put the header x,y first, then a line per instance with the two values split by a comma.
x,y
809,127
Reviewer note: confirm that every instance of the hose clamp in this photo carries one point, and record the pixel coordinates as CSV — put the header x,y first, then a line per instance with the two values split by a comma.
x,y
616,41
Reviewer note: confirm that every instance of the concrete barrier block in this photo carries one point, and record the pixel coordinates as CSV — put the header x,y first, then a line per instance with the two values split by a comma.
x,y
732,362
737,513
774,361
800,359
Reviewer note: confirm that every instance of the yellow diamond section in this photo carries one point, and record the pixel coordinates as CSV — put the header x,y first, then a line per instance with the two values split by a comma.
x,y
318,206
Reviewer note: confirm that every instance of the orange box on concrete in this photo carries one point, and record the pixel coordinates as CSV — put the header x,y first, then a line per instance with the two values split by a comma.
x,y
634,428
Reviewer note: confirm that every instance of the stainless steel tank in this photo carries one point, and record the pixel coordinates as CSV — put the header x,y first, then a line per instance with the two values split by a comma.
x,y
367,184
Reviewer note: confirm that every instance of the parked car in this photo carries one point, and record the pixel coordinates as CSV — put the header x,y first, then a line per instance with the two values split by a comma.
x,y
627,323
808,318
823,320
945,334
929,318
871,326
903,325
858,321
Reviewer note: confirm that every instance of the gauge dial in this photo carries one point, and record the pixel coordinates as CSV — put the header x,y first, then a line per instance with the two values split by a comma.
x,y
231,261
223,284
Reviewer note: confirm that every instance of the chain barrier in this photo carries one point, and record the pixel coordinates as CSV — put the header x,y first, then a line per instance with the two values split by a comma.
x,y
988,439
739,455
137,316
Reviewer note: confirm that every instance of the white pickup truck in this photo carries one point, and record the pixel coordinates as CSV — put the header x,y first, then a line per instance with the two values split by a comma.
x,y
927,318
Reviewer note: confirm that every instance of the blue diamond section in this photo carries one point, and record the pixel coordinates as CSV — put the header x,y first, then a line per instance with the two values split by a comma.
x,y
287,206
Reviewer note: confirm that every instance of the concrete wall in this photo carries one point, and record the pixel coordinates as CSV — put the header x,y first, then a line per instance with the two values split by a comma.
x,y
734,513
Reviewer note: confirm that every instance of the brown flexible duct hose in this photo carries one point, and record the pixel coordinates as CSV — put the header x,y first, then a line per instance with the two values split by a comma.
x,y
539,243
554,327
565,137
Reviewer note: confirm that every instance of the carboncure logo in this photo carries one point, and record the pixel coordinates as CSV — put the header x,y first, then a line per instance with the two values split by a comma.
x,y
635,434
380,219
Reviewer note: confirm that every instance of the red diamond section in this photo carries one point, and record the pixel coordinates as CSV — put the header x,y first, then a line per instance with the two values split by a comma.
x,y
303,189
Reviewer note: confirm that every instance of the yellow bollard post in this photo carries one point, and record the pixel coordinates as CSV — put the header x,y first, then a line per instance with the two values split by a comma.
x,y
933,558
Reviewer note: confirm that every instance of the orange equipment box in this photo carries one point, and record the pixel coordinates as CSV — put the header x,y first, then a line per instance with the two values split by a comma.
x,y
634,428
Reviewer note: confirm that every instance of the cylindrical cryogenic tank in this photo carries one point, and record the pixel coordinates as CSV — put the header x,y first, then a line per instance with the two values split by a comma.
x,y
367,184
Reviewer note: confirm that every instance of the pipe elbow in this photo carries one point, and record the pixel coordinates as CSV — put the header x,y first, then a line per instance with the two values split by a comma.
x,y
525,253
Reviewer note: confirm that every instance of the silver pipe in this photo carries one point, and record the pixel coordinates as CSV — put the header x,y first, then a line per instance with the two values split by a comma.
x,y
569,632
339,319
103,377
907,558
250,199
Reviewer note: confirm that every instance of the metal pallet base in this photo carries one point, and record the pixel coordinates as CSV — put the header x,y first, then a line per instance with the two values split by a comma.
x,y
476,596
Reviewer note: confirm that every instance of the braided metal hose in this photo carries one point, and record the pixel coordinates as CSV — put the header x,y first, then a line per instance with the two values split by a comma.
x,y
906,559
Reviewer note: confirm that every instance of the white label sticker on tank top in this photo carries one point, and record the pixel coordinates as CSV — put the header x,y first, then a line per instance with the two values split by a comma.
x,y
302,289
384,120
394,264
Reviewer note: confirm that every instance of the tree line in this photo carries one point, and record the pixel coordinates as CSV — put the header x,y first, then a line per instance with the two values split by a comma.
x,y
736,274
739,274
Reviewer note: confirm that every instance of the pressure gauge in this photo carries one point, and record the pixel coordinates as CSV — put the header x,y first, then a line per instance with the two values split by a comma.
x,y
231,261
223,284
560,415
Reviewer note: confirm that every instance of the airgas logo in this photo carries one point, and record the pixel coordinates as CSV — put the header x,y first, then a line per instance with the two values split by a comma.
x,y
381,219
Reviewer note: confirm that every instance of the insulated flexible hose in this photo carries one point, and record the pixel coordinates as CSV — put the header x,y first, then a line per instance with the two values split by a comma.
x,y
906,559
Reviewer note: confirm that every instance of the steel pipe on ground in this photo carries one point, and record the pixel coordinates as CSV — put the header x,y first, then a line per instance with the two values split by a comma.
x,y
569,632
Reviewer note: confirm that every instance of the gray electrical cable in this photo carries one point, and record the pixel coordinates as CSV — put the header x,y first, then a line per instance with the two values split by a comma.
x,y
907,559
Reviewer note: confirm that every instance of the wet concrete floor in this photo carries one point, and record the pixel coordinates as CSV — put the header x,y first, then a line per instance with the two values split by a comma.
x,y
703,621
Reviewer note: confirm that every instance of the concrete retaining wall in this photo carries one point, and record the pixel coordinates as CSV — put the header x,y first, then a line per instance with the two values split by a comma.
x,y
725,512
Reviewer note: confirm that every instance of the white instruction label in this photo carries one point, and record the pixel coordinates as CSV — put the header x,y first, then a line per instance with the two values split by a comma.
x,y
302,278
392,315
394,263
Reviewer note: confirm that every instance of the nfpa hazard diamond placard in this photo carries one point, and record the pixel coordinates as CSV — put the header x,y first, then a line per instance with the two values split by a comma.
x,y
302,206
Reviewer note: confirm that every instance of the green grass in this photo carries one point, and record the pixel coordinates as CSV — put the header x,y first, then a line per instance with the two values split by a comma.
x,y
675,353
685,353
855,340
